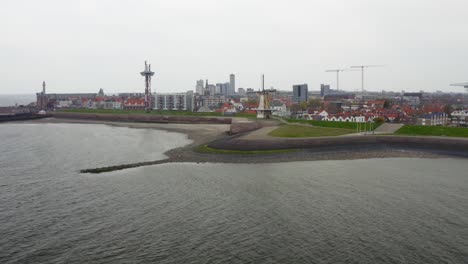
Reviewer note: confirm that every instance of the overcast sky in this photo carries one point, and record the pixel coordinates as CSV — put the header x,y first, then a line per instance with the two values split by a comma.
x,y
81,46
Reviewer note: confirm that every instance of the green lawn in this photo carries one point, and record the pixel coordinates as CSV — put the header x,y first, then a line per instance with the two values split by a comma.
x,y
153,112
296,131
433,131
348,125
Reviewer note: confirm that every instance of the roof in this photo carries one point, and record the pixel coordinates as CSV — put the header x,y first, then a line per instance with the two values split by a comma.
x,y
135,101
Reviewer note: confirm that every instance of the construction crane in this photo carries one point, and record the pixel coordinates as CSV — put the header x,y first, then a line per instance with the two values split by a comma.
x,y
362,73
464,85
338,76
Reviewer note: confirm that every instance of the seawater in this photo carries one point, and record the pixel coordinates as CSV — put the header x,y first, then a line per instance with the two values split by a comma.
x,y
393,210
16,99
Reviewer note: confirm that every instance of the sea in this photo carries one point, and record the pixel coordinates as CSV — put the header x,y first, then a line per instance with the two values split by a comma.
x,y
393,210
16,99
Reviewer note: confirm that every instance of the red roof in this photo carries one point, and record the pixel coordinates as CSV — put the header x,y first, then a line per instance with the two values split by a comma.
x,y
135,101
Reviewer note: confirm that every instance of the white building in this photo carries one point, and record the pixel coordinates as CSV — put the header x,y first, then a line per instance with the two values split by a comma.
x,y
460,118
433,119
174,101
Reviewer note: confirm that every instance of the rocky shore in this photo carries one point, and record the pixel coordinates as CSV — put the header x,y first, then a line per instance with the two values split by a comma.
x,y
364,147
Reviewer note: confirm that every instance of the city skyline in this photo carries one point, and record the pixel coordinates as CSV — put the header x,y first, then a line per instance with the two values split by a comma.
x,y
422,43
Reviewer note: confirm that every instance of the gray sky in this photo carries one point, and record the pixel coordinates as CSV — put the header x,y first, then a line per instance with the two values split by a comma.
x,y
81,46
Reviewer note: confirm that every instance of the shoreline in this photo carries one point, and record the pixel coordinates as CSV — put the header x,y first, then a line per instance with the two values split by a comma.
x,y
216,135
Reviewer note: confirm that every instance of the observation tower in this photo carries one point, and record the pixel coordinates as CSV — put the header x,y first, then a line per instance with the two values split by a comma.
x,y
148,96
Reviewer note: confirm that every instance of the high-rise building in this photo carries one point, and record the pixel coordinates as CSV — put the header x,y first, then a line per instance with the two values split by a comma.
x,y
210,89
300,93
324,89
241,91
232,84
223,89
199,87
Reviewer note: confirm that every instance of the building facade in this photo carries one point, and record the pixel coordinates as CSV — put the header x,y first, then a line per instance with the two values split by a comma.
x,y
433,119
174,101
324,89
232,85
460,118
300,93
199,87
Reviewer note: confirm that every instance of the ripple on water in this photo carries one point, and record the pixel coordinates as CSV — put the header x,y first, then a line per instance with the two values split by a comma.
x,y
357,211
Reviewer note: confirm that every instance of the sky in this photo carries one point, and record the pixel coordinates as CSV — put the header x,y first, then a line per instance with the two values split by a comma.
x,y
81,46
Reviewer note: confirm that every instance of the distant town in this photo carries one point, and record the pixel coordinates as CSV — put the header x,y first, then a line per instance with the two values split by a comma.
x,y
299,102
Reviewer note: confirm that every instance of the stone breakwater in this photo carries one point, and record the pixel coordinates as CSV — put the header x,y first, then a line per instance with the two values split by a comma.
x,y
145,118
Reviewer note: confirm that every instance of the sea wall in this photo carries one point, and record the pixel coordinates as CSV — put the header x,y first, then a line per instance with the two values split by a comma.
x,y
148,118
322,143
21,117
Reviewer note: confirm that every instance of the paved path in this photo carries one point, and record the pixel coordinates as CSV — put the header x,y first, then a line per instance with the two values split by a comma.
x,y
261,133
388,128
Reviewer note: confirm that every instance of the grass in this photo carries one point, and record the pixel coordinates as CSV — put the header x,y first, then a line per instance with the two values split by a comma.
x,y
153,112
347,125
296,131
206,149
433,131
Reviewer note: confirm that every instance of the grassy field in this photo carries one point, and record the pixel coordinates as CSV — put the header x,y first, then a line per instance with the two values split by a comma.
x,y
347,125
154,112
433,131
296,131
206,149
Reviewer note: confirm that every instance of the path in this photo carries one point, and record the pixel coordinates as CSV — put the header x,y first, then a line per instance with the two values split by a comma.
x,y
388,128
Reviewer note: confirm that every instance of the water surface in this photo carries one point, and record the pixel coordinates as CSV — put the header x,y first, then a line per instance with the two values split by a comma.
x,y
355,211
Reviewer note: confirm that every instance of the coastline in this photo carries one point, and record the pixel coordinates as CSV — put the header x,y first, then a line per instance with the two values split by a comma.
x,y
215,135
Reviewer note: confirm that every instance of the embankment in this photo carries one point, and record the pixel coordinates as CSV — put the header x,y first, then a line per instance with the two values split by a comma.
x,y
446,144
21,117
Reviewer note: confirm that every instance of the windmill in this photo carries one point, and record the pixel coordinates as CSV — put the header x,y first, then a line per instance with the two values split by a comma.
x,y
338,76
362,73
264,109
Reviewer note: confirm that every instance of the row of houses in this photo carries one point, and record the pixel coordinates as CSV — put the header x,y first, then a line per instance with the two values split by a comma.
x,y
343,117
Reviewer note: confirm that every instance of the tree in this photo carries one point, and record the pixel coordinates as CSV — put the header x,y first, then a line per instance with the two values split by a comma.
x,y
378,120
386,104
295,108
448,109
315,104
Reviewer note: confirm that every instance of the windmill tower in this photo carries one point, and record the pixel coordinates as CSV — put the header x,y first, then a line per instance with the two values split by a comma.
x,y
264,110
